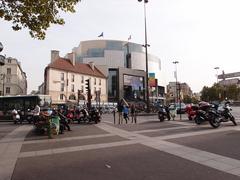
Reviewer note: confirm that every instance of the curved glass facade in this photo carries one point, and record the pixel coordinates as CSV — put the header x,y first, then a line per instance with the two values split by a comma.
x,y
116,54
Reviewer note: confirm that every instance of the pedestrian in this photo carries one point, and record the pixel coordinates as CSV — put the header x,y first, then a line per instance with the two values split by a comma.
x,y
114,114
133,113
120,111
63,123
125,113
36,113
14,115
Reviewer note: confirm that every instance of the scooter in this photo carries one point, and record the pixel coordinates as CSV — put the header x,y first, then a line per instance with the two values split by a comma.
x,y
163,113
95,115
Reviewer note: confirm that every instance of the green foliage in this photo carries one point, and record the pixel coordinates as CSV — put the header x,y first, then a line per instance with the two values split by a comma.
x,y
218,93
36,15
187,99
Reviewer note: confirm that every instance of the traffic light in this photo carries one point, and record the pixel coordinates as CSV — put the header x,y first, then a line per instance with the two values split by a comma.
x,y
87,85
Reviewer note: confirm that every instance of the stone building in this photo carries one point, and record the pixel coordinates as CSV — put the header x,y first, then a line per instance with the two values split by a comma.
x,y
13,80
65,80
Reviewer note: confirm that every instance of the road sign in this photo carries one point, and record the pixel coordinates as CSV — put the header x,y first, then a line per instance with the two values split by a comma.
x,y
229,75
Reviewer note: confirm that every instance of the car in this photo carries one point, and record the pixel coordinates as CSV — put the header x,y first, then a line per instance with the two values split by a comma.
x,y
179,109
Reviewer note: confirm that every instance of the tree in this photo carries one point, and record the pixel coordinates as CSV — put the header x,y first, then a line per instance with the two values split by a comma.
x,y
218,92
36,15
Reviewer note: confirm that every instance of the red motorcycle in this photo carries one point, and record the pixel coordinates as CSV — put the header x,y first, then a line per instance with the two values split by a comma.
x,y
191,110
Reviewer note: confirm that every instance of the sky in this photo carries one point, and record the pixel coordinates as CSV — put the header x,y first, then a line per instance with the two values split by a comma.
x,y
199,34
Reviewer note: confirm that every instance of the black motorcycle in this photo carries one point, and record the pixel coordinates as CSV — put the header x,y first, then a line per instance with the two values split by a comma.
x,y
207,112
163,113
95,115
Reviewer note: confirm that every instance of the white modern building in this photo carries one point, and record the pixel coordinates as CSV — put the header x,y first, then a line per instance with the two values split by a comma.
x,y
65,80
13,80
124,64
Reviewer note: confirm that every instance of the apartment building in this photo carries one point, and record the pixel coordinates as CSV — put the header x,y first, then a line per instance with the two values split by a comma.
x,y
65,80
13,80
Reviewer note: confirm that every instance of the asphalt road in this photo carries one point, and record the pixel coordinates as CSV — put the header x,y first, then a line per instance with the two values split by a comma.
x,y
148,150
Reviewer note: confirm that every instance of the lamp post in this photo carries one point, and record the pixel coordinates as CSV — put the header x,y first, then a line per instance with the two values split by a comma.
x,y
175,74
217,68
2,62
146,45
178,89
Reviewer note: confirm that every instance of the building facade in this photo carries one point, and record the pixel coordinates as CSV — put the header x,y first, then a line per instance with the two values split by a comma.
x,y
65,80
13,79
123,63
176,90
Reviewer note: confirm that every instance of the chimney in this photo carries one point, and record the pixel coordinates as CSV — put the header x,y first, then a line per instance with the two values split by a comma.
x,y
91,64
54,55
72,58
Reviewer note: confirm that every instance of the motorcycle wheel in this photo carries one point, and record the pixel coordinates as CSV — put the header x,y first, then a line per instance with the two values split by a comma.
x,y
161,118
198,120
233,121
214,121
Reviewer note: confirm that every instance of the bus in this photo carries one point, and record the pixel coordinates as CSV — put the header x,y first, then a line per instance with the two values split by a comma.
x,y
22,103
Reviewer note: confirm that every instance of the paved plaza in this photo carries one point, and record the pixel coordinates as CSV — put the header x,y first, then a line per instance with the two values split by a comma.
x,y
147,150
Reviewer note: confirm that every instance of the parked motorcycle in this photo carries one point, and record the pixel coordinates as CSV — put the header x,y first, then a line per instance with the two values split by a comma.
x,y
207,112
83,116
163,113
191,111
95,115
224,111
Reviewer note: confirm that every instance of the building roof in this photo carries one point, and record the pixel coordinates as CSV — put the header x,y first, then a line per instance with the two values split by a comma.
x,y
80,68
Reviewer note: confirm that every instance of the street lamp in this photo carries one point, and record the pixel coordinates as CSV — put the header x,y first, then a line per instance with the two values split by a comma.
x,y
178,89
217,68
146,52
175,74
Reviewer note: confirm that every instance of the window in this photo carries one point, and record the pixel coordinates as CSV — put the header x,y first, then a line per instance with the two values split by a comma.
x,y
62,86
72,88
8,79
8,70
100,82
72,78
62,76
100,90
95,81
9,61
7,90
72,97
61,96
95,89
82,81
82,88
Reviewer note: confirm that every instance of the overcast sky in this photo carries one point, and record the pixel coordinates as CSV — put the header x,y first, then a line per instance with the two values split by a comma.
x,y
200,34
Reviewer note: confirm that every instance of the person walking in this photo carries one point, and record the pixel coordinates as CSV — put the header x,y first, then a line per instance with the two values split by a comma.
x,y
125,113
133,113
36,113
120,111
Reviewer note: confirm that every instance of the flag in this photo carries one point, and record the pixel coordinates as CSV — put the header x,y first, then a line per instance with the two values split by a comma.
x,y
130,37
101,35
